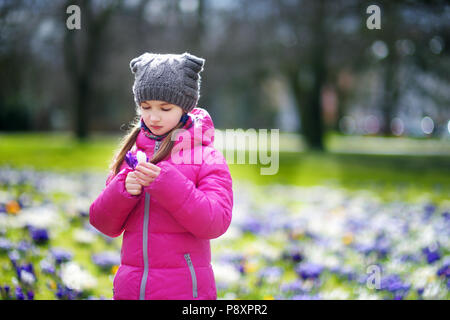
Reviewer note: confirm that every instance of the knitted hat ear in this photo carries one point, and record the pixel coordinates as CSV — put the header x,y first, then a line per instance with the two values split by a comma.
x,y
194,63
138,61
134,65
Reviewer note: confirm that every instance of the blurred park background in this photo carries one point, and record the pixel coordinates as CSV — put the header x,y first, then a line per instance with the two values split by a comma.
x,y
360,205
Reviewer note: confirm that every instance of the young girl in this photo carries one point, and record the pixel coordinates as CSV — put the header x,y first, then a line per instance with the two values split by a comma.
x,y
167,209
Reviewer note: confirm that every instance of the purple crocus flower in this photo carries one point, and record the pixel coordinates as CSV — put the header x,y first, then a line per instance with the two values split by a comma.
x,y
431,253
19,294
394,284
295,286
39,235
106,259
63,292
309,270
5,292
30,295
270,272
429,209
365,249
61,255
446,216
344,272
5,244
131,160
24,245
293,254
444,271
251,225
47,267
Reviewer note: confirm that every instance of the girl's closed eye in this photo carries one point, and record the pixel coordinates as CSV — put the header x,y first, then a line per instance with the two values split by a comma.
x,y
147,108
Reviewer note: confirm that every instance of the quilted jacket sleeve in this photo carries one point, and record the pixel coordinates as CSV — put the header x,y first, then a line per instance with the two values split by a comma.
x,y
111,208
204,209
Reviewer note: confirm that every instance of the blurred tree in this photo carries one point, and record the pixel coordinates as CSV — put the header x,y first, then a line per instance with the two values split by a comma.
x,y
82,53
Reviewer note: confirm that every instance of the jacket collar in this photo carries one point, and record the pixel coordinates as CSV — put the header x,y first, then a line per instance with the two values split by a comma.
x,y
199,126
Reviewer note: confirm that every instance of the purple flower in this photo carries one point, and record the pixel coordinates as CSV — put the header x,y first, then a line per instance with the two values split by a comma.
x,y
23,245
251,225
65,293
61,255
47,267
344,272
309,270
445,269
30,295
293,254
431,253
446,216
4,292
394,283
365,249
295,286
270,273
133,159
5,244
19,294
39,235
106,259
429,209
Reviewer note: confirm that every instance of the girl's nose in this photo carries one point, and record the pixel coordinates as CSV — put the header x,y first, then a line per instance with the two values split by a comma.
x,y
154,118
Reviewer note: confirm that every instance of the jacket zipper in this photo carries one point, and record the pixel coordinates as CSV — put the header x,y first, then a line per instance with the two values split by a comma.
x,y
187,257
145,238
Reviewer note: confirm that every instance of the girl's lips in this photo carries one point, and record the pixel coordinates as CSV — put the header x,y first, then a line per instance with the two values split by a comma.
x,y
156,127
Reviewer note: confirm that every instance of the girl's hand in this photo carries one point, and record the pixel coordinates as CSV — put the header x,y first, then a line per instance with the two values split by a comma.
x,y
146,172
132,185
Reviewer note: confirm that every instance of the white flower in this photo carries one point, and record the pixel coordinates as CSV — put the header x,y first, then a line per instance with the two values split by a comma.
x,y
75,278
27,277
83,236
226,273
141,157
39,217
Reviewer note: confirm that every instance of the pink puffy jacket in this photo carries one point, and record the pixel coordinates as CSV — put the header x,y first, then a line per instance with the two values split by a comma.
x,y
166,250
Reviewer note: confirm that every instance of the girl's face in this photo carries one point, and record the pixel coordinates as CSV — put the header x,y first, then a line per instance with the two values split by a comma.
x,y
160,116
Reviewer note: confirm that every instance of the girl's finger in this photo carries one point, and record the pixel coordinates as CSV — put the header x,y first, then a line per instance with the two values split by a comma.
x,y
143,182
148,167
151,166
140,177
145,176
145,170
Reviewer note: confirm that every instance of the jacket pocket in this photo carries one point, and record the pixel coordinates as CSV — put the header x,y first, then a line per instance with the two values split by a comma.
x,y
187,257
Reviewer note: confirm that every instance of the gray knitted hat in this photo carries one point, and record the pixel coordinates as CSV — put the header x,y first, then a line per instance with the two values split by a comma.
x,y
174,78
